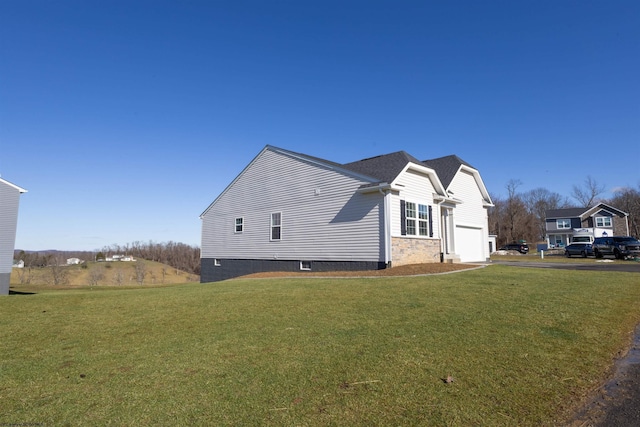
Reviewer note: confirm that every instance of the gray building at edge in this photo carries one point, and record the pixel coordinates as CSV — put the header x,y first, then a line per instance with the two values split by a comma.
x,y
9,201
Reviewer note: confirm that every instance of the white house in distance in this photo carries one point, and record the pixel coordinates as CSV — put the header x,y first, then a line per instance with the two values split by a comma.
x,y
288,211
9,201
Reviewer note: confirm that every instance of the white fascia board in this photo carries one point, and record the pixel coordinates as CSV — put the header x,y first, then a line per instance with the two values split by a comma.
x,y
603,207
483,190
383,187
21,190
447,199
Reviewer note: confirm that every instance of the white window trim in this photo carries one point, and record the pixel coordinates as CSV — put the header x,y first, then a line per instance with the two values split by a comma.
x,y
235,225
563,228
303,267
602,218
216,262
416,220
271,227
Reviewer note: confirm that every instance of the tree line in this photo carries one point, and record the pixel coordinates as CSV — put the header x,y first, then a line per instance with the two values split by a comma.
x,y
178,255
521,215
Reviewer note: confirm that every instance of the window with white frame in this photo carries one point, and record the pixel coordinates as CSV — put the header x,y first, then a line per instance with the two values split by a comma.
x,y
423,220
276,226
563,224
416,219
239,225
305,265
603,221
410,211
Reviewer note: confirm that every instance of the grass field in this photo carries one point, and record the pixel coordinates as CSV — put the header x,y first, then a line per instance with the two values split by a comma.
x,y
523,347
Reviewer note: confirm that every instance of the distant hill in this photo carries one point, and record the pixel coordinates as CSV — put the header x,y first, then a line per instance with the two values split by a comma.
x,y
118,273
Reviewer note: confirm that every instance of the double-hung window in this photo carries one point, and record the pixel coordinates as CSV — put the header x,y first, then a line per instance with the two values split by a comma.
x,y
563,224
603,221
239,225
410,210
276,226
423,220
416,220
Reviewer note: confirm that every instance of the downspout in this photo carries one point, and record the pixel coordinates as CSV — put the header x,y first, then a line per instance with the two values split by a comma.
x,y
441,221
386,203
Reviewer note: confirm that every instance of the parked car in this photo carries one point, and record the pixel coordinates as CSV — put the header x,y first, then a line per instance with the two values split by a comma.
x,y
581,249
523,248
619,246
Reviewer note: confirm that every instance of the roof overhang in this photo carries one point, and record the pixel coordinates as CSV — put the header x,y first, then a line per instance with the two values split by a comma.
x,y
602,207
378,187
21,190
487,202
430,173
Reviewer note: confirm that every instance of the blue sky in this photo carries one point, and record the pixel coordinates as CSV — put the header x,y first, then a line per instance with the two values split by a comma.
x,y
125,119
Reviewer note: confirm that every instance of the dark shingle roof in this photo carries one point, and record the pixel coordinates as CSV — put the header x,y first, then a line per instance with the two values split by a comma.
x,y
385,167
565,213
446,167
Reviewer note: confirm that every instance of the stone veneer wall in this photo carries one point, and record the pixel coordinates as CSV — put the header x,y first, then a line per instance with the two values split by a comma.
x,y
619,226
414,251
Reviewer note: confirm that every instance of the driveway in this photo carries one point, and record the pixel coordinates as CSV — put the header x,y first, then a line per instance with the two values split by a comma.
x,y
599,265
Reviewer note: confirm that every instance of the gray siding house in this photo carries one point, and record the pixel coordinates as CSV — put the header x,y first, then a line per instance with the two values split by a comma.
x,y
9,200
565,226
288,211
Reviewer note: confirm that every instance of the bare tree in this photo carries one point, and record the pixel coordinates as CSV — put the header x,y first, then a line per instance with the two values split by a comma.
x,y
587,195
538,201
58,273
515,212
96,275
24,275
628,200
141,271
118,276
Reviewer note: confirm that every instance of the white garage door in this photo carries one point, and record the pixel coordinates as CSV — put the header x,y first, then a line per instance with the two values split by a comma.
x,y
470,244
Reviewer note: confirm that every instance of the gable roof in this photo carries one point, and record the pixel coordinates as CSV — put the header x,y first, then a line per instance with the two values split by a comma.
x,y
311,159
604,206
446,167
384,168
564,213
582,212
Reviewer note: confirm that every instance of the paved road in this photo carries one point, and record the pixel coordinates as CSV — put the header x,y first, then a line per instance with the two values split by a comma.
x,y
607,265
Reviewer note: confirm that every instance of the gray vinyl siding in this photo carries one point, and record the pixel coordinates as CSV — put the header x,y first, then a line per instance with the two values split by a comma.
x,y
552,225
9,199
323,215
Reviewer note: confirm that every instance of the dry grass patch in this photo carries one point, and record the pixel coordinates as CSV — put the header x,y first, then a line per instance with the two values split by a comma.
x,y
404,270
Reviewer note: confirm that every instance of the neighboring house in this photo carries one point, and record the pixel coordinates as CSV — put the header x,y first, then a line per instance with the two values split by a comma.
x,y
9,201
124,258
73,261
288,211
565,226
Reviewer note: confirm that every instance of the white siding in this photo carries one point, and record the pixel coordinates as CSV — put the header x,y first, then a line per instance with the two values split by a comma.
x,y
323,216
417,188
470,218
9,199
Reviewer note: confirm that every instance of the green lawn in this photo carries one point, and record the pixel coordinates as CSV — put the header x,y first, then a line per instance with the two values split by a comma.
x,y
524,346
